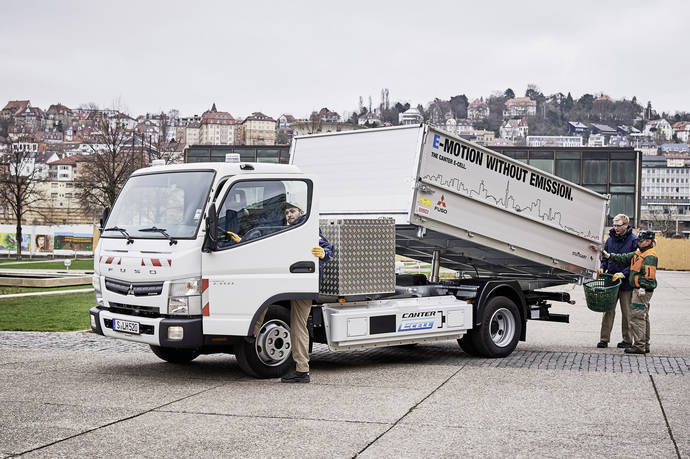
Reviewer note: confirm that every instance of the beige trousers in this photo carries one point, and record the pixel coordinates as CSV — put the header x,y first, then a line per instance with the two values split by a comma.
x,y
625,301
299,335
639,320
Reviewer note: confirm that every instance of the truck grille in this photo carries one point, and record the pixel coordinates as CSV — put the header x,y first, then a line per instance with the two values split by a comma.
x,y
135,310
135,288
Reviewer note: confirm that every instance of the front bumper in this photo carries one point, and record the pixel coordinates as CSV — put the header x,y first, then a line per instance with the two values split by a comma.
x,y
153,331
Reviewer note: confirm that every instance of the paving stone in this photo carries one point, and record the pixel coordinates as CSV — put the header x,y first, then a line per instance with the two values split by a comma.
x,y
442,353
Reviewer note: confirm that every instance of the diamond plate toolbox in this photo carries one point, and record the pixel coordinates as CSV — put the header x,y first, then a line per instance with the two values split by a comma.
x,y
364,261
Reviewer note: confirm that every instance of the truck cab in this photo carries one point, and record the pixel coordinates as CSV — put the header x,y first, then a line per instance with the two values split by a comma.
x,y
192,255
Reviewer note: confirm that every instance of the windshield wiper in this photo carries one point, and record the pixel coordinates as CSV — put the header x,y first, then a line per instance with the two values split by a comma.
x,y
123,231
153,229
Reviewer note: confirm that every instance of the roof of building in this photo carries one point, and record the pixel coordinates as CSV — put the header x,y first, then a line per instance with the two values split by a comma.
x,y
603,128
477,103
258,116
69,160
655,122
675,147
16,106
681,126
288,118
59,108
520,102
217,118
578,125
515,123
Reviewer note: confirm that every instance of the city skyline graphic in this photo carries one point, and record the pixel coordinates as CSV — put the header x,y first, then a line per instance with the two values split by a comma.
x,y
533,209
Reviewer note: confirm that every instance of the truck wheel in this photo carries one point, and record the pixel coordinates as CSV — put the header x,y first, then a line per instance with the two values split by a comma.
x,y
175,355
500,328
269,355
467,345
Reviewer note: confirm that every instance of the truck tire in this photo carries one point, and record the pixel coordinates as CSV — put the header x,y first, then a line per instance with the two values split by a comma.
x,y
467,345
175,355
269,355
500,328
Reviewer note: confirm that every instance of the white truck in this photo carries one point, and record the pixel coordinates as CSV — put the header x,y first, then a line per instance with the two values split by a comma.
x,y
169,273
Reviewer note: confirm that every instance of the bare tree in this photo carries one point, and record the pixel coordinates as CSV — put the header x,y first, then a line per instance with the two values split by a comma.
x,y
663,219
101,175
18,180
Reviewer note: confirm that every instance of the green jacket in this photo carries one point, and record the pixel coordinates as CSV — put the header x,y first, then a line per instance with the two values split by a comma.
x,y
643,263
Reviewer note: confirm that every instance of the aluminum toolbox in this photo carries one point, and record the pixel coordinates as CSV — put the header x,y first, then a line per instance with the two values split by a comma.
x,y
364,261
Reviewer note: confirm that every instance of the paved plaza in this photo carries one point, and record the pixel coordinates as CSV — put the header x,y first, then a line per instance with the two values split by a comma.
x,y
69,394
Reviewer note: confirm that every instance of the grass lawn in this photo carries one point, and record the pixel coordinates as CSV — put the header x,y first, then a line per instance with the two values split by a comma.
x,y
80,265
47,313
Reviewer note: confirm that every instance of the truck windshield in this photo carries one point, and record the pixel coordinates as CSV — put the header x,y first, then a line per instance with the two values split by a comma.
x,y
172,202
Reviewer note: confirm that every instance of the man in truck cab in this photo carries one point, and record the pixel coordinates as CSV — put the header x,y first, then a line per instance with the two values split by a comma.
x,y
643,263
621,240
299,309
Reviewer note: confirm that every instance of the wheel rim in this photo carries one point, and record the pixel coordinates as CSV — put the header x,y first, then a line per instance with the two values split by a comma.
x,y
502,327
273,345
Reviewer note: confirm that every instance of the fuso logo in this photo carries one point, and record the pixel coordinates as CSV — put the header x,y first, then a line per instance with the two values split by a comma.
x,y
442,202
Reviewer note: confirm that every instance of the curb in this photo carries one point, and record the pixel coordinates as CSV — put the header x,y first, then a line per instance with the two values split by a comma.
x,y
61,292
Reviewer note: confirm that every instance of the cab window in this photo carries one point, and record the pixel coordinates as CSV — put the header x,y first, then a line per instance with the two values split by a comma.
x,y
258,208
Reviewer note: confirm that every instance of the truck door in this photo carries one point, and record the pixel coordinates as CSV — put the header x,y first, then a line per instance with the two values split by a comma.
x,y
268,260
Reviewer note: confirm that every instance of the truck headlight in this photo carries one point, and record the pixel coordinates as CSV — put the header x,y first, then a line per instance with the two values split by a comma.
x,y
96,282
185,297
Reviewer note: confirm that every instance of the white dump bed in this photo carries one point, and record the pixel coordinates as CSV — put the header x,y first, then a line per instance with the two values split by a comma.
x,y
483,210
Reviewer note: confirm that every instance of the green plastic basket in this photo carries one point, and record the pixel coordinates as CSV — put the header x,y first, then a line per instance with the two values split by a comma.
x,y
601,294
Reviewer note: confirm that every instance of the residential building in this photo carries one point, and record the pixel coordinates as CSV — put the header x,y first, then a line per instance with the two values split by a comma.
x,y
665,193
602,129
317,126
681,130
480,137
646,147
66,169
284,121
659,129
596,140
410,116
463,126
628,130
59,116
191,133
674,148
519,107
369,119
514,129
501,143
577,128
59,205
478,110
217,128
14,108
326,115
554,141
258,129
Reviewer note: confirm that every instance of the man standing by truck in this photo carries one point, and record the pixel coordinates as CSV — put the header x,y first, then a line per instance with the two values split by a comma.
x,y
621,240
643,263
299,309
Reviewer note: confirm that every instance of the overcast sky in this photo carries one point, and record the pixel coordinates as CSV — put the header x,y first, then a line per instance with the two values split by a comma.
x,y
298,56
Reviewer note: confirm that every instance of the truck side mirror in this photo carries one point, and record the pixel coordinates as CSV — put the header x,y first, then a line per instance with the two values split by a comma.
x,y
103,219
211,238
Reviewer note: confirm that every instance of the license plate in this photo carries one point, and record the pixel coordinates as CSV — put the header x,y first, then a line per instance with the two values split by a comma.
x,y
126,326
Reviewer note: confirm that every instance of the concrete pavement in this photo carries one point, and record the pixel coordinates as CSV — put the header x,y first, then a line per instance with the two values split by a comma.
x,y
557,395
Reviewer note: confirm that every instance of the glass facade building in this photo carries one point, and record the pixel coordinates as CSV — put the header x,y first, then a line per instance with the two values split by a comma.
x,y
613,171
248,153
